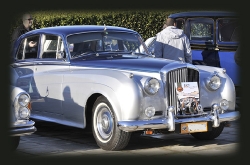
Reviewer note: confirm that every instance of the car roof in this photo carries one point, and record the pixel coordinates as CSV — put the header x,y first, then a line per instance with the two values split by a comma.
x,y
73,29
204,14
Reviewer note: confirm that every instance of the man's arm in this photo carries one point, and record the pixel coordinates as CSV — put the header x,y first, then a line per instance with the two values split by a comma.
x,y
32,44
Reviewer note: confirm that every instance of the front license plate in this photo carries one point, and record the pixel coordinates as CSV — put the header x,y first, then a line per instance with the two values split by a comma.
x,y
194,127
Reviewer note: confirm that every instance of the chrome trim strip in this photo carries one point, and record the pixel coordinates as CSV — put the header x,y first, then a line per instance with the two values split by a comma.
x,y
22,131
23,123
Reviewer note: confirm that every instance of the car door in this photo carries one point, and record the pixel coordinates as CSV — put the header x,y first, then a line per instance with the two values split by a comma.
x,y
49,69
228,33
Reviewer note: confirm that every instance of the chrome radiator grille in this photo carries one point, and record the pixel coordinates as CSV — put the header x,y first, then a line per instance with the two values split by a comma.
x,y
179,75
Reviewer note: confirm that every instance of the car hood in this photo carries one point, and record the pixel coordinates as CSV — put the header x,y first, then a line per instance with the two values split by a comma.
x,y
134,64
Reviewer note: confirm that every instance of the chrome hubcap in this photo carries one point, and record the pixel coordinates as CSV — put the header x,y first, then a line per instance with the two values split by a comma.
x,y
104,122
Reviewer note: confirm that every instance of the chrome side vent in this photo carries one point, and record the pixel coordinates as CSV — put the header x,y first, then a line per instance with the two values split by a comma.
x,y
179,75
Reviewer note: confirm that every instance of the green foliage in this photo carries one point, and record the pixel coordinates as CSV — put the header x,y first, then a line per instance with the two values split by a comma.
x,y
147,22
201,29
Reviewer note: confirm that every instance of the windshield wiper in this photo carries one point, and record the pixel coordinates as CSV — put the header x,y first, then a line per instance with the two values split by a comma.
x,y
101,56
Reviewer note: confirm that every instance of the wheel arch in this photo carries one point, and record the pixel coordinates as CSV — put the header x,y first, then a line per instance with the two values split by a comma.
x,y
88,110
89,106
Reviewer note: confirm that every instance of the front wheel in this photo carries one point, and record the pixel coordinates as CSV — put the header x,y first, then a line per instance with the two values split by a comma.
x,y
210,135
104,127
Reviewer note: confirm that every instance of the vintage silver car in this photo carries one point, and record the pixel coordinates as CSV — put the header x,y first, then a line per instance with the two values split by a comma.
x,y
20,124
104,79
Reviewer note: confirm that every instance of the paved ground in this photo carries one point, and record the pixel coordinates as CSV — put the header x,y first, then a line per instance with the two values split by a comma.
x,y
58,141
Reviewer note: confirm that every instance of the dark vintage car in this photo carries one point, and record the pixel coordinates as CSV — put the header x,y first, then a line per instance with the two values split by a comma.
x,y
214,38
20,123
104,79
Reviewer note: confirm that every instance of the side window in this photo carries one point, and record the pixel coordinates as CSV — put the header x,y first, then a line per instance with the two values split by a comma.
x,y
99,45
21,50
201,29
180,23
228,30
52,47
28,48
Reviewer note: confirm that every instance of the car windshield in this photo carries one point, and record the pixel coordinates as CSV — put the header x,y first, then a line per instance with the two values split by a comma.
x,y
97,42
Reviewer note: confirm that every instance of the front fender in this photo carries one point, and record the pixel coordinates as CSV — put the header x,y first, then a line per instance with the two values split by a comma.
x,y
123,92
226,91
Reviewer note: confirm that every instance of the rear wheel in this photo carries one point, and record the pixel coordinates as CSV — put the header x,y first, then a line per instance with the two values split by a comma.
x,y
104,127
214,133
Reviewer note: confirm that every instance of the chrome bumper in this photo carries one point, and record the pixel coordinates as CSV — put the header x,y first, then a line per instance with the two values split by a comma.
x,y
21,128
169,121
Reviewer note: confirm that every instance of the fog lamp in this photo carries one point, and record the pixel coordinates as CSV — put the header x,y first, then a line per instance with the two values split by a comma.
x,y
224,104
150,112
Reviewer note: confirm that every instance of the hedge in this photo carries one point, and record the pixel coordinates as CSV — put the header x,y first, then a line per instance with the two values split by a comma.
x,y
148,23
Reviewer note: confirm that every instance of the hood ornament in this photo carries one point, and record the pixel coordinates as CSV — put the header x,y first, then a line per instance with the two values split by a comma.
x,y
182,59
105,29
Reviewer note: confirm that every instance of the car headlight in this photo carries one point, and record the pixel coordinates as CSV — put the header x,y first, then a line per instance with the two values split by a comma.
x,y
24,113
151,86
23,100
22,106
213,82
